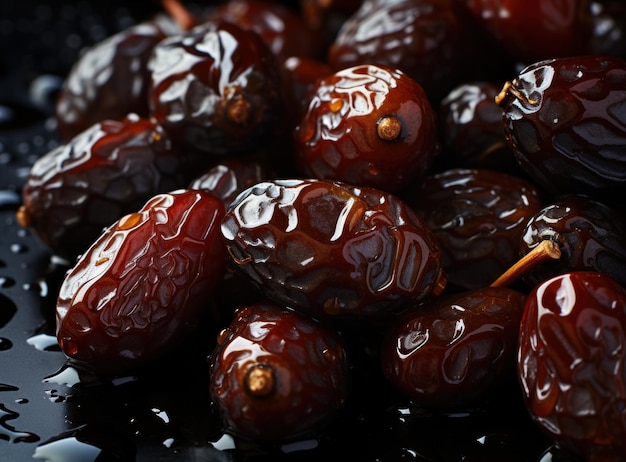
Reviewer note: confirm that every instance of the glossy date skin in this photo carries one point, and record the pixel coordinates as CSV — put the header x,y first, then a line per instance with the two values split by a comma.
x,y
367,125
142,286
110,79
571,362
450,352
277,374
478,216
216,89
331,249
590,235
565,121
470,129
76,190
424,39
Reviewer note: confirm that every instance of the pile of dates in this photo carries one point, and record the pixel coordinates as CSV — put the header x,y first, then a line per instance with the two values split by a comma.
x,y
432,190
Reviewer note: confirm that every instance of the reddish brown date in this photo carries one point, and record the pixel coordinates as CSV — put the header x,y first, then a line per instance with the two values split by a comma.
x,y
453,350
565,121
143,284
76,190
478,216
368,126
277,374
571,362
331,249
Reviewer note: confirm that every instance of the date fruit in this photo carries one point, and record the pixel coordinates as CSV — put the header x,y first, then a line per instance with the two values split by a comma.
x,y
590,236
572,362
79,188
368,126
478,217
565,121
452,351
142,286
331,249
216,89
277,374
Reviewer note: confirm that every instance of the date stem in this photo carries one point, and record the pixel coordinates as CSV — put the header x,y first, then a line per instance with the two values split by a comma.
x,y
179,13
545,250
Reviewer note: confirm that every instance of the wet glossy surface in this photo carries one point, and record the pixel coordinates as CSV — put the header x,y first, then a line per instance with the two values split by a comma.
x,y
332,249
453,351
60,412
216,89
572,360
75,190
565,121
478,216
277,375
368,126
591,236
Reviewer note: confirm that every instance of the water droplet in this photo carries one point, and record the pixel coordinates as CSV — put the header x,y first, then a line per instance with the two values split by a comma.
x,y
5,344
6,282
9,198
18,248
88,443
8,433
67,450
7,387
7,310
44,342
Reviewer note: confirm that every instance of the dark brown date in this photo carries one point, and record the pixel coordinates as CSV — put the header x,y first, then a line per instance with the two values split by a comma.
x,y
331,249
571,362
565,121
452,351
422,38
471,132
76,190
142,286
276,374
590,235
216,89
478,217
110,79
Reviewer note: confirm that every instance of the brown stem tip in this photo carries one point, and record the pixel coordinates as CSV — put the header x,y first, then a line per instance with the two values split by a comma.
x,y
179,13
259,381
545,250
389,128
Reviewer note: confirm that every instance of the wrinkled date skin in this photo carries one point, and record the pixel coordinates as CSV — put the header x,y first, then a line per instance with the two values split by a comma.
x,y
565,121
423,38
227,179
110,79
277,374
572,362
470,128
368,126
143,284
478,217
451,351
331,249
216,89
590,235
281,27
76,190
